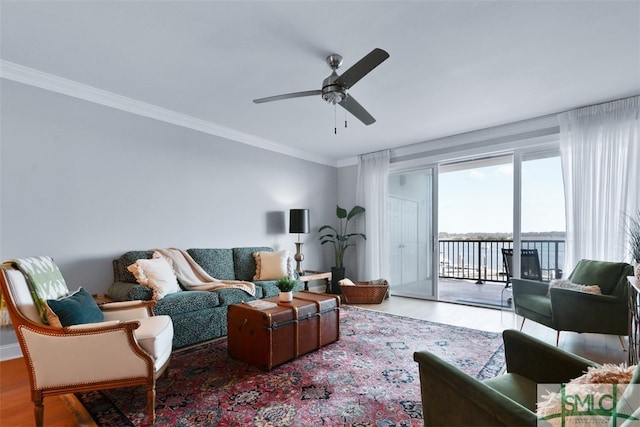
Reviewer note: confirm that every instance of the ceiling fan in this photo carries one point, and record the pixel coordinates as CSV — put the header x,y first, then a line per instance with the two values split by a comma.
x,y
335,87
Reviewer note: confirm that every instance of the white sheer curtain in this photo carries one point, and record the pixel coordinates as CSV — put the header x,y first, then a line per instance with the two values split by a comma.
x,y
371,193
600,155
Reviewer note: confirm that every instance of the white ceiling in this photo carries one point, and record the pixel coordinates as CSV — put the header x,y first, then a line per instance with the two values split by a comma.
x,y
454,66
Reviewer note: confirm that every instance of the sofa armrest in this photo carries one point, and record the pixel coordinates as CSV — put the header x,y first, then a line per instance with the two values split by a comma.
x,y
445,390
127,291
299,284
539,361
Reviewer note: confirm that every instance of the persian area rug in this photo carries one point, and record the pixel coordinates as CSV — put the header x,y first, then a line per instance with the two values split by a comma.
x,y
367,378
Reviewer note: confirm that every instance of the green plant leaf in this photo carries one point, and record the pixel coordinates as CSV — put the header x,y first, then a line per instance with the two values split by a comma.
x,y
357,210
325,227
340,238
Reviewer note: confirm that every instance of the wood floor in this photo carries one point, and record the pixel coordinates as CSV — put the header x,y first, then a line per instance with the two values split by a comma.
x,y
16,408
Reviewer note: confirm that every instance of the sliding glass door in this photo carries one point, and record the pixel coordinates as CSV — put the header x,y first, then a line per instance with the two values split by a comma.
x,y
411,225
479,206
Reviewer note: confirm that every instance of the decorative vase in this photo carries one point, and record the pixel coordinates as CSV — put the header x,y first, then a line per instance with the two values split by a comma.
x,y
286,296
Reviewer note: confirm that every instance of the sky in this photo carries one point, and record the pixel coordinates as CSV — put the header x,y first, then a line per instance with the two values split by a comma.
x,y
481,199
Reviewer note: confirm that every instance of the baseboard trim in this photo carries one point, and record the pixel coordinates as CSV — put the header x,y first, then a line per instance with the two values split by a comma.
x,y
10,351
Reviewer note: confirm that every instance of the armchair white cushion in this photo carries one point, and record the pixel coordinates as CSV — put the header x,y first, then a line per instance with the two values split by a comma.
x,y
131,347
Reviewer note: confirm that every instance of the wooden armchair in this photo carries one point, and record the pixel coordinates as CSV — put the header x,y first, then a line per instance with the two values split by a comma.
x,y
131,347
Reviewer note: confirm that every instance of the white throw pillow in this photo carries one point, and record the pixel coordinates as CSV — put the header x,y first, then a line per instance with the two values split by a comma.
x,y
157,274
271,265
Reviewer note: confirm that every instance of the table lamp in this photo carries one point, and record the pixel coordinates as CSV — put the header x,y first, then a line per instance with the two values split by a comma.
x,y
299,223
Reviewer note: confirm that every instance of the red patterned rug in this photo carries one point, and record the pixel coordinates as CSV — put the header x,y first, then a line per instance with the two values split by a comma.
x,y
367,378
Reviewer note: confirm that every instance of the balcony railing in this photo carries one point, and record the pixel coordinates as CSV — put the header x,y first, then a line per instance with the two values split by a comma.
x,y
481,260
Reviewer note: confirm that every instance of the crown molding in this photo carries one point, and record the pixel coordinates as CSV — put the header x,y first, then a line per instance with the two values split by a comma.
x,y
29,76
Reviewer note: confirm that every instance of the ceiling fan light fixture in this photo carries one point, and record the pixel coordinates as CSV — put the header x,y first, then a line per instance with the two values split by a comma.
x,y
333,94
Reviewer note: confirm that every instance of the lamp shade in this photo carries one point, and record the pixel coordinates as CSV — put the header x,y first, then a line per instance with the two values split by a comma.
x,y
298,220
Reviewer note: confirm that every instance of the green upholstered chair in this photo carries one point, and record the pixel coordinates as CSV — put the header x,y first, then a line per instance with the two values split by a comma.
x,y
569,310
450,397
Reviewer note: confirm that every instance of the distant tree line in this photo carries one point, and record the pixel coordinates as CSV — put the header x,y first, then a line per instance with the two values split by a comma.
x,y
542,235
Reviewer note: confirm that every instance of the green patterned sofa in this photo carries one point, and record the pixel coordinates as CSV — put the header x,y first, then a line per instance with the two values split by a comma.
x,y
197,315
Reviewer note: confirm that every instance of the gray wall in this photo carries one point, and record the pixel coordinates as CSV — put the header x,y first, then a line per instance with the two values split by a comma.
x,y
347,181
85,183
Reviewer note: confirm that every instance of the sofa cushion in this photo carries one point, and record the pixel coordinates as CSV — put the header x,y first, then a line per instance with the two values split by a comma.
x,y
140,292
185,302
233,296
605,274
217,263
243,262
120,272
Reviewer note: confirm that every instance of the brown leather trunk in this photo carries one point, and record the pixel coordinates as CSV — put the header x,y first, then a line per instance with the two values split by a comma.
x,y
267,338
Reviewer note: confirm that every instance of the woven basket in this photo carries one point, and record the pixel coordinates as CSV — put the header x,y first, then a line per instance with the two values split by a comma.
x,y
363,293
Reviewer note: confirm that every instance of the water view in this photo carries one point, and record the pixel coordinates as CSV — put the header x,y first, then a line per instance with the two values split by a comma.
x,y
479,256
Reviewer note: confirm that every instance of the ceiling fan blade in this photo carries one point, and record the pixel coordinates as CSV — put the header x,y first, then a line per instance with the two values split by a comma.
x,y
287,96
362,68
354,107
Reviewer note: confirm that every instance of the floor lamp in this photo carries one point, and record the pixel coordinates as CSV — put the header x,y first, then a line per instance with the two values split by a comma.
x,y
299,223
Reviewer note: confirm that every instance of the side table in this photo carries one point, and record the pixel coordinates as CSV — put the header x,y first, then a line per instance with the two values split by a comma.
x,y
310,275
101,299
634,320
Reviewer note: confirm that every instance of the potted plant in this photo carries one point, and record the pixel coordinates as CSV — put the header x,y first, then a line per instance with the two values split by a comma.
x,y
341,239
634,238
286,285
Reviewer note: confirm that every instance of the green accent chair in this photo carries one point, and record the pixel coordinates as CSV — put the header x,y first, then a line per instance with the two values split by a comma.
x,y
450,397
569,310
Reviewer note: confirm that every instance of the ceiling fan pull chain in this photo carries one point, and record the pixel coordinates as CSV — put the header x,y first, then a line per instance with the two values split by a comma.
x,y
335,115
346,99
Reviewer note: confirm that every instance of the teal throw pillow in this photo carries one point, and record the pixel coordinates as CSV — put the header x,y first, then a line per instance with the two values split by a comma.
x,y
77,308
